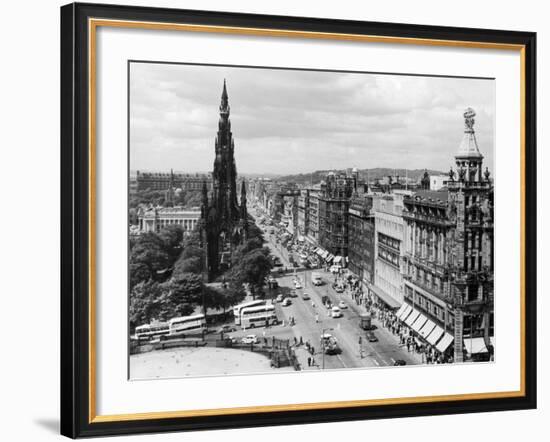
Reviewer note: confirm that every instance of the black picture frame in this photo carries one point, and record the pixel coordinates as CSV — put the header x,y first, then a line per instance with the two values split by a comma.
x,y
75,220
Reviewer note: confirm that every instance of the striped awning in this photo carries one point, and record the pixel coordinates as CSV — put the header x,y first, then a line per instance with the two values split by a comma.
x,y
444,343
399,312
434,336
412,317
427,328
406,311
420,321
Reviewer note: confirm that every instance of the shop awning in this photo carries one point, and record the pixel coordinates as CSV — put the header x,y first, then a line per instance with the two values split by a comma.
x,y
444,343
385,297
420,321
399,312
406,311
475,345
434,336
319,251
329,258
412,317
427,328
337,259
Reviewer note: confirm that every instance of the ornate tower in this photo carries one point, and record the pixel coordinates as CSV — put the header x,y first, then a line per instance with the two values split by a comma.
x,y
471,207
224,221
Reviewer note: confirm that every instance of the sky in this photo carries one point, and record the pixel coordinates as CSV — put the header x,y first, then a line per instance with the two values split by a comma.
x,y
290,121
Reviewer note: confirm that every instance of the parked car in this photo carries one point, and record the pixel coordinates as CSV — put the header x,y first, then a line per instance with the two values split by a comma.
x,y
342,305
279,297
305,297
287,302
371,336
335,312
339,289
227,328
249,339
400,362
293,294
297,285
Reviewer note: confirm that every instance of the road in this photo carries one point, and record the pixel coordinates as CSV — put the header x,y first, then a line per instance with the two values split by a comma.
x,y
312,318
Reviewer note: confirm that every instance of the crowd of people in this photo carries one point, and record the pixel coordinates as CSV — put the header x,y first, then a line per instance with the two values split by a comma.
x,y
407,338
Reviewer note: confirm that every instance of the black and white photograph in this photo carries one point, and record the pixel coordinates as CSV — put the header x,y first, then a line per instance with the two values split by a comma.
x,y
287,220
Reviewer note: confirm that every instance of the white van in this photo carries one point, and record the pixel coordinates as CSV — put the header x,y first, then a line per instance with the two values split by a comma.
x,y
336,312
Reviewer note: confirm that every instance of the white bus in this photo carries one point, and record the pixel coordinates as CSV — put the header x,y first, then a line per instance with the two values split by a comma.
x,y
238,308
195,323
152,330
259,316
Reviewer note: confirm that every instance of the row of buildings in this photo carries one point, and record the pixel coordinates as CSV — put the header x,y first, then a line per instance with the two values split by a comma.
x,y
428,249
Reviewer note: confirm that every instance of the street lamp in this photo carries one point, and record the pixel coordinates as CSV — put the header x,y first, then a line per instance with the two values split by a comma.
x,y
323,342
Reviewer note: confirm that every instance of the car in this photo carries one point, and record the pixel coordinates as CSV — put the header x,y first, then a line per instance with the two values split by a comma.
x,y
279,297
249,339
342,305
297,285
400,362
305,297
335,312
339,289
334,269
227,328
293,294
371,337
271,279
286,302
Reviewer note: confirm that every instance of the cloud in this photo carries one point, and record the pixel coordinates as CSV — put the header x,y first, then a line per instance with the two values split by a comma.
x,y
288,121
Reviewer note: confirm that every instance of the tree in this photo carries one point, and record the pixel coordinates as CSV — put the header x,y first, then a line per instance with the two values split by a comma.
x,y
149,250
139,272
172,239
253,268
185,289
146,303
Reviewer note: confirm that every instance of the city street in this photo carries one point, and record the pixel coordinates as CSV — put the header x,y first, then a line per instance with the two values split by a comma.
x,y
312,319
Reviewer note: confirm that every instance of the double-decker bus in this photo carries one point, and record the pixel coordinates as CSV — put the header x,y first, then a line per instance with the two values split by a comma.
x,y
238,308
194,323
258,316
154,330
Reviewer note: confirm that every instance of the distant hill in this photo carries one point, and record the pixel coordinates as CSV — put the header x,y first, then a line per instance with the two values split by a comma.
x,y
372,174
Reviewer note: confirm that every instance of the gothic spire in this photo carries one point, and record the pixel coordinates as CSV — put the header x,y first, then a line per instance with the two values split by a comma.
x,y
224,106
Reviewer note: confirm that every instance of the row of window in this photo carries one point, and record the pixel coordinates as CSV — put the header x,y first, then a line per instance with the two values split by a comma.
x,y
389,241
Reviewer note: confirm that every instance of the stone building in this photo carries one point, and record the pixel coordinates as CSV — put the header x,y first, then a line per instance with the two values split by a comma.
x,y
361,238
163,180
334,199
448,261
154,219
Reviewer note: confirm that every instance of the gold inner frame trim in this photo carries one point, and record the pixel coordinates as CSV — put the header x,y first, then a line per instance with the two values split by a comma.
x,y
93,24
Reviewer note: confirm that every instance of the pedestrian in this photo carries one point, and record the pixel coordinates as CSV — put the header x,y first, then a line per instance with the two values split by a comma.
x,y
312,350
313,362
316,317
295,340
309,361
301,341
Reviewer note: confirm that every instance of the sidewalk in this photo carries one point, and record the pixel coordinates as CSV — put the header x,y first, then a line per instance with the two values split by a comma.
x,y
302,354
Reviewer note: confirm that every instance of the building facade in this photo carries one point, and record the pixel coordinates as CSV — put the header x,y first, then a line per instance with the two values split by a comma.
x,y
154,219
388,280
162,180
361,238
334,199
448,262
